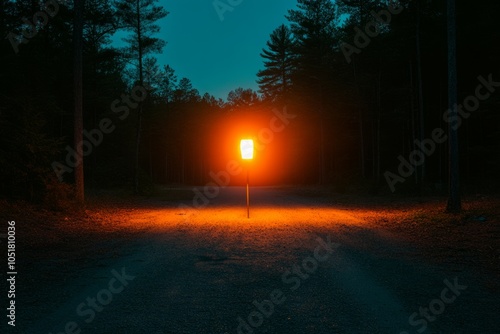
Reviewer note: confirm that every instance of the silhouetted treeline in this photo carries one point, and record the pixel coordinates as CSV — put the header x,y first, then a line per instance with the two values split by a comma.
x,y
363,80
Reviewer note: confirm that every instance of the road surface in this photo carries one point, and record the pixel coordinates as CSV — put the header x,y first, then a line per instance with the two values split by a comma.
x,y
298,265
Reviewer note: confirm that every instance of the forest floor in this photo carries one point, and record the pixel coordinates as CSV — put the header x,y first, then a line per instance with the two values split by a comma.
x,y
394,256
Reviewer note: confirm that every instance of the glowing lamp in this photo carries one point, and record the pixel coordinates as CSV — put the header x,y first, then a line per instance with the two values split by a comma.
x,y
246,147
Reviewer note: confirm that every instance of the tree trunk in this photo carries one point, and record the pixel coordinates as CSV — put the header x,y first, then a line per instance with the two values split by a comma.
x,y
421,118
166,166
322,167
321,151
183,164
150,160
413,118
454,202
78,91
377,128
361,130
139,110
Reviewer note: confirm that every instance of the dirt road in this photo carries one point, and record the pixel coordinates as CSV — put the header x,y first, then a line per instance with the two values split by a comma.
x,y
298,265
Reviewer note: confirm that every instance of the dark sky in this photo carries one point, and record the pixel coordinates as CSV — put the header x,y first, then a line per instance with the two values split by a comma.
x,y
219,55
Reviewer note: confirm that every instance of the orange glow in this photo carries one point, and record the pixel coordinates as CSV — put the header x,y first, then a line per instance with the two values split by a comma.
x,y
277,157
246,147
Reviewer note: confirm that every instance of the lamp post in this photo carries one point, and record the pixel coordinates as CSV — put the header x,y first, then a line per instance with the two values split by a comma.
x,y
246,147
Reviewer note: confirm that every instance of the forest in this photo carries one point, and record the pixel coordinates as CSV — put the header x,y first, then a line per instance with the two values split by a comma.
x,y
353,94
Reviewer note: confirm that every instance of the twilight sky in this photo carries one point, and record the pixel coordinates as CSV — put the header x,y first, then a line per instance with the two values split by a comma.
x,y
216,55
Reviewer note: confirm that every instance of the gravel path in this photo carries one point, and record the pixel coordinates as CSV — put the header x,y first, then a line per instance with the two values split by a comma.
x,y
298,265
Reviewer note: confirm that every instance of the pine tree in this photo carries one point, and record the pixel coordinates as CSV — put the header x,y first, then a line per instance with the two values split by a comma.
x,y
275,80
185,92
140,17
168,84
242,98
78,102
314,24
454,201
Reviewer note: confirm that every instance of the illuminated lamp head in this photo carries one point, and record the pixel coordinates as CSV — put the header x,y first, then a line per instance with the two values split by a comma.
x,y
246,147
